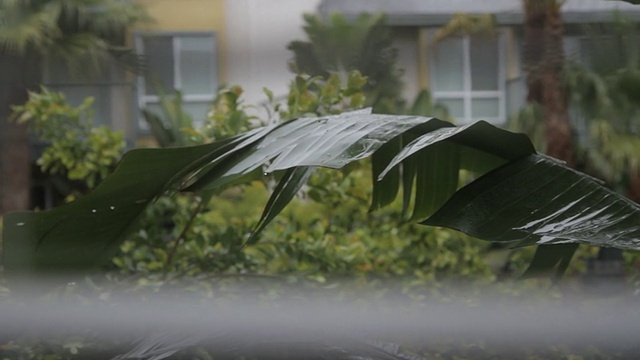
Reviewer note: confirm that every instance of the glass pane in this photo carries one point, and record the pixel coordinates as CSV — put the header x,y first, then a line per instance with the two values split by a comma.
x,y
159,56
485,108
455,107
448,65
484,57
196,65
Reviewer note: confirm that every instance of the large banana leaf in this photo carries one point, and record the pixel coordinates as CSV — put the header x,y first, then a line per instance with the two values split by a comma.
x,y
84,233
536,200
519,196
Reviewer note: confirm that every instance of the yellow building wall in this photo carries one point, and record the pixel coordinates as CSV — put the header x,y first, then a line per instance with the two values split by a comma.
x,y
189,15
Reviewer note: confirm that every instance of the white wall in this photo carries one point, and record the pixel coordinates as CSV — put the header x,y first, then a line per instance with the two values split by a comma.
x,y
258,33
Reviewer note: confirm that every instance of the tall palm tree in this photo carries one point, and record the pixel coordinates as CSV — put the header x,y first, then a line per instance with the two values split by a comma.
x,y
544,61
82,35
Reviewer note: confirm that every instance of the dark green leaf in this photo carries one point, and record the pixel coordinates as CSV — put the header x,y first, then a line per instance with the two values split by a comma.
x,y
385,190
478,147
288,186
537,199
550,257
409,169
332,142
86,232
482,139
436,183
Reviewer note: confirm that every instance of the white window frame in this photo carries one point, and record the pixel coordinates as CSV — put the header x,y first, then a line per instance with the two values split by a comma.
x,y
467,94
143,99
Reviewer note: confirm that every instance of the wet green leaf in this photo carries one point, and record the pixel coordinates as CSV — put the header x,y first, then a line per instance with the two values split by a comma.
x,y
538,200
549,258
290,183
86,232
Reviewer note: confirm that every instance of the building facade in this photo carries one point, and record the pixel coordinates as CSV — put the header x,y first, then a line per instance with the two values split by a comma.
x,y
475,76
194,46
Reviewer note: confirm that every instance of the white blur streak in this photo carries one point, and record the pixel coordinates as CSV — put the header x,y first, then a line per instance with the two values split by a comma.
x,y
188,320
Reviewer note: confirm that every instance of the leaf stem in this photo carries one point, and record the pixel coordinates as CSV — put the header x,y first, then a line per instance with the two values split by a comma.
x,y
177,240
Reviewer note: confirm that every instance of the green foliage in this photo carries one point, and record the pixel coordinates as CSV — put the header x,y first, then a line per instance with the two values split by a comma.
x,y
467,24
76,149
605,91
528,120
169,127
327,240
323,235
613,153
338,46
603,85
206,233
211,242
328,233
71,32
423,105
228,117
316,97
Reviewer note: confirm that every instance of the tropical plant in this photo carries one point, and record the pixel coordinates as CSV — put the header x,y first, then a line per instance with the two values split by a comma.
x,y
605,95
510,202
184,240
82,35
168,127
337,45
76,149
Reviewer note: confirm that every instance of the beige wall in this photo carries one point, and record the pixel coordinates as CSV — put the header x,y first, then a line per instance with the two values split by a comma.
x,y
185,15
258,33
190,15
252,36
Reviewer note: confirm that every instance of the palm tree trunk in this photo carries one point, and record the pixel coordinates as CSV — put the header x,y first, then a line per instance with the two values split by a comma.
x,y
544,61
18,74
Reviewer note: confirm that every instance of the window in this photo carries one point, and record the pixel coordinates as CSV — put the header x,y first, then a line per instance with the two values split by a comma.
x,y
111,91
184,62
468,77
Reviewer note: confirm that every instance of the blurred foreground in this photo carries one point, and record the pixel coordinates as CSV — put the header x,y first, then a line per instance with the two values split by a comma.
x,y
259,320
